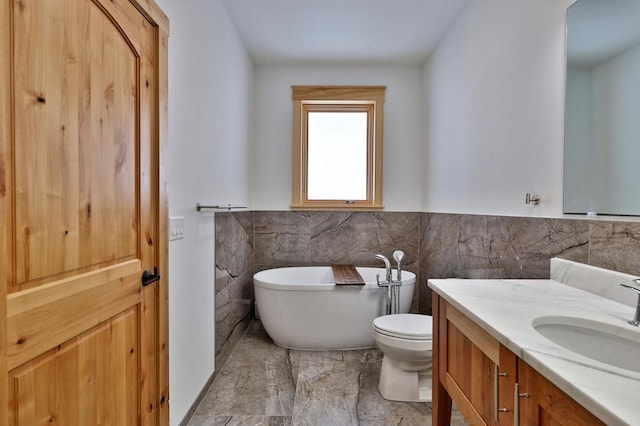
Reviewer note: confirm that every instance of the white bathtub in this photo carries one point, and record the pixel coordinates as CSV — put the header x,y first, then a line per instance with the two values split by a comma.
x,y
302,308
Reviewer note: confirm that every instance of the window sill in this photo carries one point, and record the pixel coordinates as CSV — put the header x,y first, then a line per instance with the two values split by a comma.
x,y
336,207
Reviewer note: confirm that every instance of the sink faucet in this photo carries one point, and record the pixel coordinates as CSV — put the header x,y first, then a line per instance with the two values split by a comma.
x,y
387,265
636,318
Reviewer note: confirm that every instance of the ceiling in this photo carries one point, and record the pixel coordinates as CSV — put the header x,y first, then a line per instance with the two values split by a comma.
x,y
342,32
599,29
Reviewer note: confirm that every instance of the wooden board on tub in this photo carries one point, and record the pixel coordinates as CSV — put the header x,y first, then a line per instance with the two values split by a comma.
x,y
346,275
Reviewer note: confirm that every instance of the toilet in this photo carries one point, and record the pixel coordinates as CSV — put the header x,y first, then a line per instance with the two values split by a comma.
x,y
406,342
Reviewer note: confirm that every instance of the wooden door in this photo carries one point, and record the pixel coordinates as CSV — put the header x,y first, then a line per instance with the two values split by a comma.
x,y
83,211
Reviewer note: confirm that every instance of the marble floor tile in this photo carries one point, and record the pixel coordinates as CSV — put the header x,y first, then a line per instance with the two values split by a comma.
x,y
264,384
257,379
240,421
328,388
374,410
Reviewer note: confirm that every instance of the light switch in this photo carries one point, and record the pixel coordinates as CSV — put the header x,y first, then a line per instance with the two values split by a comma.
x,y
176,228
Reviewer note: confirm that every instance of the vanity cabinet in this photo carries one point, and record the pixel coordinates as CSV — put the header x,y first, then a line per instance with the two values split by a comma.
x,y
471,367
542,403
489,383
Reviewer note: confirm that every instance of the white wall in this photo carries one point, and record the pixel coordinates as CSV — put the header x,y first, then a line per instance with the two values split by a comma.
x,y
210,86
271,153
494,107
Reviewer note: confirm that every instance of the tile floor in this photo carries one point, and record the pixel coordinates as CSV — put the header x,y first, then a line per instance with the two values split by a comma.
x,y
264,384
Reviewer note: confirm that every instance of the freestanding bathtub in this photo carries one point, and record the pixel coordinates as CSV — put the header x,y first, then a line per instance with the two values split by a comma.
x,y
302,308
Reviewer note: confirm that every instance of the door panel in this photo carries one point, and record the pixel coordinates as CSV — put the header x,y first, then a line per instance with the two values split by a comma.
x,y
66,386
80,212
39,320
76,121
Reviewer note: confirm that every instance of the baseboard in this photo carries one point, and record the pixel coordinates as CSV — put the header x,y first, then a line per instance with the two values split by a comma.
x,y
191,411
219,364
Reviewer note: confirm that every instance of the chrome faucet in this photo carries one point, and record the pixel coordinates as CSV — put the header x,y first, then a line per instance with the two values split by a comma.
x,y
636,318
393,287
387,265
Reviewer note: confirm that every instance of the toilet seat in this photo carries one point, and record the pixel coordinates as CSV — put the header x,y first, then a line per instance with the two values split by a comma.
x,y
405,326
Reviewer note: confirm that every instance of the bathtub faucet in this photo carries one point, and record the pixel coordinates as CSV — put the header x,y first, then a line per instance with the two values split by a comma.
x,y
393,287
387,266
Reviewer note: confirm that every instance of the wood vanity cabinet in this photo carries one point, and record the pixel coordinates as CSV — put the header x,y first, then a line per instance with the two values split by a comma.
x,y
488,382
471,367
545,404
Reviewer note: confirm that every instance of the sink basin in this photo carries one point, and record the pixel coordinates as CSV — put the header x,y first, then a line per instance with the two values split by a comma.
x,y
616,346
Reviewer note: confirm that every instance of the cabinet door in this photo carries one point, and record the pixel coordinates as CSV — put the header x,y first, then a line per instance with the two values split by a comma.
x,y
545,404
476,371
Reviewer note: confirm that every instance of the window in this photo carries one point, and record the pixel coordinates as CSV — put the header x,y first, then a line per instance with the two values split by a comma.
x,y
337,147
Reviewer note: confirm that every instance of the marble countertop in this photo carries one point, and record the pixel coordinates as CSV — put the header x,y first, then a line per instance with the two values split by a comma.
x,y
506,309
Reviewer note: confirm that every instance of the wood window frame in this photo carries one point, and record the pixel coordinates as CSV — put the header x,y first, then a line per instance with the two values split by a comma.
x,y
368,99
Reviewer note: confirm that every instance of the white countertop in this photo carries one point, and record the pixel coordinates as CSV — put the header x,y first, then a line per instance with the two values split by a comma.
x,y
506,309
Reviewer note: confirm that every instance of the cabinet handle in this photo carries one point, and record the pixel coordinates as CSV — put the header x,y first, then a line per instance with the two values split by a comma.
x,y
496,392
516,404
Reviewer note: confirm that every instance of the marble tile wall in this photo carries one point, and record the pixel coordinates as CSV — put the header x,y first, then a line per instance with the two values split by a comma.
x,y
469,246
234,280
436,246
323,238
615,245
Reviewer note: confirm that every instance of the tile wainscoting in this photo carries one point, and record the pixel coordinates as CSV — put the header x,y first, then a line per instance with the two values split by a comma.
x,y
234,280
436,245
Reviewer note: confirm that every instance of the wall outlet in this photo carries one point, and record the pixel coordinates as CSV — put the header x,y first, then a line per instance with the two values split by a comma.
x,y
176,228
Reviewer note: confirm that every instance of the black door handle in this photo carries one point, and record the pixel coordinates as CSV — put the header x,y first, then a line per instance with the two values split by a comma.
x,y
148,277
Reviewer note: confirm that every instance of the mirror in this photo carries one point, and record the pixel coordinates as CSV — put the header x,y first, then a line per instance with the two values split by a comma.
x,y
602,108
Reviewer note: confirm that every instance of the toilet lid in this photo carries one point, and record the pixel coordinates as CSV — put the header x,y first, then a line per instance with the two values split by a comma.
x,y
408,326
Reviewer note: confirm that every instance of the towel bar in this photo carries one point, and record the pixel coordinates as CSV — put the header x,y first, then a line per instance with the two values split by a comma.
x,y
227,207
